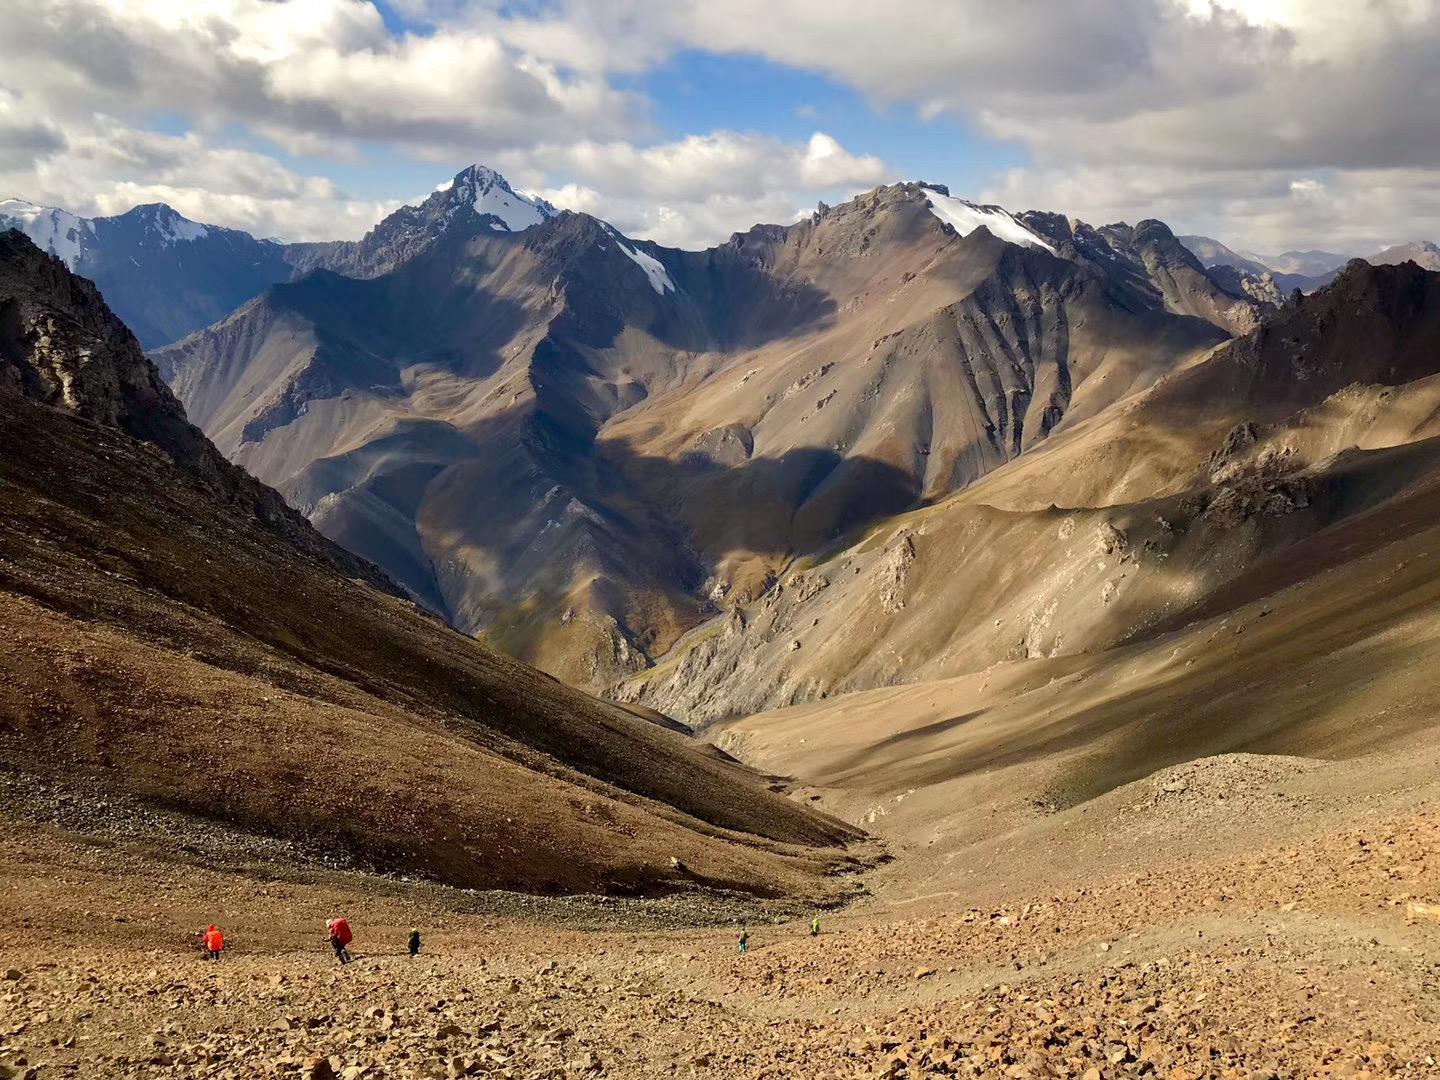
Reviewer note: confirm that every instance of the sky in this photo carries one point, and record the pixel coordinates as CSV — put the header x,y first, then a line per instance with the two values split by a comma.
x,y
1269,124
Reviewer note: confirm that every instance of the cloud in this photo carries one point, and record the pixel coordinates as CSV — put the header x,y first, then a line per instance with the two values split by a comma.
x,y
105,167
1263,114
307,69
1356,211
327,79
696,191
1228,83
1249,94
1086,57
743,165
24,136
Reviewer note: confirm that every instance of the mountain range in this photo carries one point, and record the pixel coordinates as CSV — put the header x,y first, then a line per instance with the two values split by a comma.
x,y
168,276
638,467
1134,693
1303,270
548,435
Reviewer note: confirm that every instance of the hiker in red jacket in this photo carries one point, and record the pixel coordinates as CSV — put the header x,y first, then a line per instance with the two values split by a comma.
x,y
213,941
340,937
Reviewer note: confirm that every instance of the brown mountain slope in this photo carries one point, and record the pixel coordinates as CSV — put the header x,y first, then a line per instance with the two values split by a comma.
x,y
1115,530
549,436
175,646
1328,652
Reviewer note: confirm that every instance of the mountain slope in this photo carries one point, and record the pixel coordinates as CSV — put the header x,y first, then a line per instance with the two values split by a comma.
x,y
547,436
1116,530
171,643
60,344
1421,252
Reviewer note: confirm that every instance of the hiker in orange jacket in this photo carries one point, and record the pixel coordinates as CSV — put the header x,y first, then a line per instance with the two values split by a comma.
x,y
214,941
340,937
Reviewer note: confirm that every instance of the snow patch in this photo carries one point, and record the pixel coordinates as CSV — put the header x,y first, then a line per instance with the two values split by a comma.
x,y
966,217
60,233
171,228
182,230
655,271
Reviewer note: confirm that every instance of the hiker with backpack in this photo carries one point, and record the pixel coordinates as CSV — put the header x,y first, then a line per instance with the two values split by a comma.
x,y
213,941
340,938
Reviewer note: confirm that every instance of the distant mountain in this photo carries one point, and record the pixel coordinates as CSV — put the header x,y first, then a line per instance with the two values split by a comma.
x,y
1306,270
1213,253
164,274
167,276
477,198
1312,264
578,444
1421,252
1303,270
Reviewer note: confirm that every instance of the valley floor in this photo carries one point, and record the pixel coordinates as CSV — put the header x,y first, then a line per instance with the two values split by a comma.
x,y
1157,932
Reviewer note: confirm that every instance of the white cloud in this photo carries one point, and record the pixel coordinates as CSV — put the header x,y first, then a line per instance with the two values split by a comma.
x,y
724,161
106,167
25,136
696,191
306,69
1241,95
1218,111
326,78
1357,211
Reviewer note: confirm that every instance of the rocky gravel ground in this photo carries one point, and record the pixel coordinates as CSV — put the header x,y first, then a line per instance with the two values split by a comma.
x,y
1318,958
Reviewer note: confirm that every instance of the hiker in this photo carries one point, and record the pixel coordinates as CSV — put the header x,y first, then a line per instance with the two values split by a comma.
x,y
743,937
414,942
340,937
213,941
815,926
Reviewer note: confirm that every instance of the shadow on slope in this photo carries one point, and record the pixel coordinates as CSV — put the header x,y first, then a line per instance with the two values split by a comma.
x,y
172,648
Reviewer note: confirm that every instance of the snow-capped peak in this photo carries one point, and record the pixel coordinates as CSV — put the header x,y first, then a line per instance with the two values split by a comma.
x,y
59,232
168,224
489,195
966,217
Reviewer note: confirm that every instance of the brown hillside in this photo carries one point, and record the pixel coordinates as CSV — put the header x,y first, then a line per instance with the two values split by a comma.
x,y
1191,497
176,646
